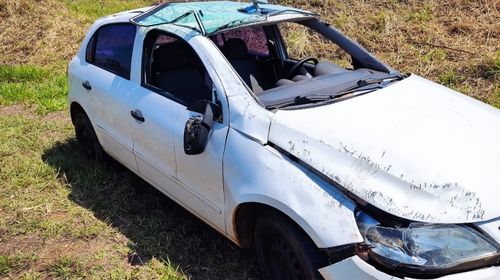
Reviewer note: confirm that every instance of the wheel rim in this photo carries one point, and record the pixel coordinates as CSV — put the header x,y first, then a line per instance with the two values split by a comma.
x,y
282,261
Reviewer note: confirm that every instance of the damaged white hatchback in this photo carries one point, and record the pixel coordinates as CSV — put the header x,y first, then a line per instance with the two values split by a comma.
x,y
286,136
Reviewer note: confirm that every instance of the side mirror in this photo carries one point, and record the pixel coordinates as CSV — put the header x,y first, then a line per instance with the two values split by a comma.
x,y
197,130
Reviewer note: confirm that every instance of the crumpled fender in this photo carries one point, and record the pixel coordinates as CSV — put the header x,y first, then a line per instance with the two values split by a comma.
x,y
257,173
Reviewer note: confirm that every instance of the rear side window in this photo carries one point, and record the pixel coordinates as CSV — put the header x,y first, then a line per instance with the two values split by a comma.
x,y
111,48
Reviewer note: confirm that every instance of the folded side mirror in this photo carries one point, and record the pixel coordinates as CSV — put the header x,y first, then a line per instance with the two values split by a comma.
x,y
197,130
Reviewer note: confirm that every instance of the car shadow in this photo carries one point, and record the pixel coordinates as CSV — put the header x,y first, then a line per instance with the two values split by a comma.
x,y
155,225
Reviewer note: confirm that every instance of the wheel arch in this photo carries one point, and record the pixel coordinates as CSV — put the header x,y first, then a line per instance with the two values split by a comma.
x,y
245,219
74,109
246,215
256,175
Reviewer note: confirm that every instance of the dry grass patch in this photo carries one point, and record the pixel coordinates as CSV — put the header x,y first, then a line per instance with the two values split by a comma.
x,y
38,32
48,32
64,217
454,42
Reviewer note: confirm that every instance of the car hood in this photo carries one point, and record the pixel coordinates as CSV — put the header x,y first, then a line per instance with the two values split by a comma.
x,y
414,149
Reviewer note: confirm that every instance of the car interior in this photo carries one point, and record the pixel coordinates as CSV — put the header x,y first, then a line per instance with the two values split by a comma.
x,y
249,67
278,72
260,67
176,70
264,59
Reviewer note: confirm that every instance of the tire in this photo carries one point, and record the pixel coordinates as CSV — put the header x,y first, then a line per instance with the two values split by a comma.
x,y
86,139
284,251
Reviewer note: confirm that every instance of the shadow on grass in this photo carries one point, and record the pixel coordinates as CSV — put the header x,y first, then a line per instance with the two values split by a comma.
x,y
156,226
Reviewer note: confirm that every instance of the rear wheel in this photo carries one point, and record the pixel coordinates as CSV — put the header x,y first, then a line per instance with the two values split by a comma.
x,y
284,251
86,138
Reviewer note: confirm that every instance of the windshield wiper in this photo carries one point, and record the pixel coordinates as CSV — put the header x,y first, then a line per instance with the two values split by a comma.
x,y
380,82
320,98
313,98
371,81
300,100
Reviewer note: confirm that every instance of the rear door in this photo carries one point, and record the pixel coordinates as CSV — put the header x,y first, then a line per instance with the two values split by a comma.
x,y
106,80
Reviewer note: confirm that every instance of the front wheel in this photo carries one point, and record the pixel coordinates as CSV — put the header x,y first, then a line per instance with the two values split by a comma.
x,y
86,138
284,251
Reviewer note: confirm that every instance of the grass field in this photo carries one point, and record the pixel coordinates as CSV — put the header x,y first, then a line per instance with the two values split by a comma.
x,y
63,218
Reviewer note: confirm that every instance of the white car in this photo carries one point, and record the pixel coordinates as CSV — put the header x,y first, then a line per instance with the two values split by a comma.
x,y
288,137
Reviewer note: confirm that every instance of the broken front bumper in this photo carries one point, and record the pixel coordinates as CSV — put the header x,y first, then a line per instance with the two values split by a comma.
x,y
356,268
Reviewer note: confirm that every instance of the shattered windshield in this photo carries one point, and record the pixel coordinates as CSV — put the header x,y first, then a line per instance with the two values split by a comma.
x,y
209,17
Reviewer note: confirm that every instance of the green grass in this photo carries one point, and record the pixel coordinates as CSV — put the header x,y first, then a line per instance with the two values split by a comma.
x,y
425,14
495,99
14,263
66,268
30,85
82,220
62,217
492,68
78,219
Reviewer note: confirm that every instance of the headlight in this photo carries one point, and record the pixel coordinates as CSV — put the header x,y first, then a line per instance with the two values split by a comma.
x,y
427,248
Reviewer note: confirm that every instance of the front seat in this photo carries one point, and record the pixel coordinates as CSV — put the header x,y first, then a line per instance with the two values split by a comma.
x,y
246,65
177,71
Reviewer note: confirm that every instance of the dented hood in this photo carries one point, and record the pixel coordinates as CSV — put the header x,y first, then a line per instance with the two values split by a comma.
x,y
414,149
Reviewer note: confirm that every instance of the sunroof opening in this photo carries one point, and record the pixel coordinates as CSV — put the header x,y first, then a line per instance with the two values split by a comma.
x,y
210,17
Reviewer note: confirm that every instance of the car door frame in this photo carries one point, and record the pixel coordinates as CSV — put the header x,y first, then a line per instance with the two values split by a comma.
x,y
116,142
197,45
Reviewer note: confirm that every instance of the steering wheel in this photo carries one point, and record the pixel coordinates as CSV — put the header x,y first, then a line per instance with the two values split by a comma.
x,y
299,64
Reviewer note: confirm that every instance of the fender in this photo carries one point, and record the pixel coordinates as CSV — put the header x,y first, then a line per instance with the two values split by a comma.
x,y
273,179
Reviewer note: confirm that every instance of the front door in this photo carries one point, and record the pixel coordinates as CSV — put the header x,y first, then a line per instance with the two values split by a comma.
x,y
175,79
202,173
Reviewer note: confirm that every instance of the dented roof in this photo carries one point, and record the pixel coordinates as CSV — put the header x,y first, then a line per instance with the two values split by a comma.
x,y
210,17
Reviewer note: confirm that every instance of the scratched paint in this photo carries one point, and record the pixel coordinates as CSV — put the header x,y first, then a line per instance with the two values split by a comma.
x,y
415,149
272,179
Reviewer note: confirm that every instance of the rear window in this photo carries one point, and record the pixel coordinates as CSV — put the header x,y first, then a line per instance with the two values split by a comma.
x,y
111,48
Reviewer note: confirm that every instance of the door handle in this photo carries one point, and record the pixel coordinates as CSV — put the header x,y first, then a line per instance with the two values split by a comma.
x,y
137,114
87,85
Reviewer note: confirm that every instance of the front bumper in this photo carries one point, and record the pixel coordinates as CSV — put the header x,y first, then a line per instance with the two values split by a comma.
x,y
356,268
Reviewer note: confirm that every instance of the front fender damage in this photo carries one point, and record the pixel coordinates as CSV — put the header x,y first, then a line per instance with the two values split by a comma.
x,y
272,179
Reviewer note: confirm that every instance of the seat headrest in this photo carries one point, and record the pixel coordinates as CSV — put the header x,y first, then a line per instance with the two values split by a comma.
x,y
235,48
